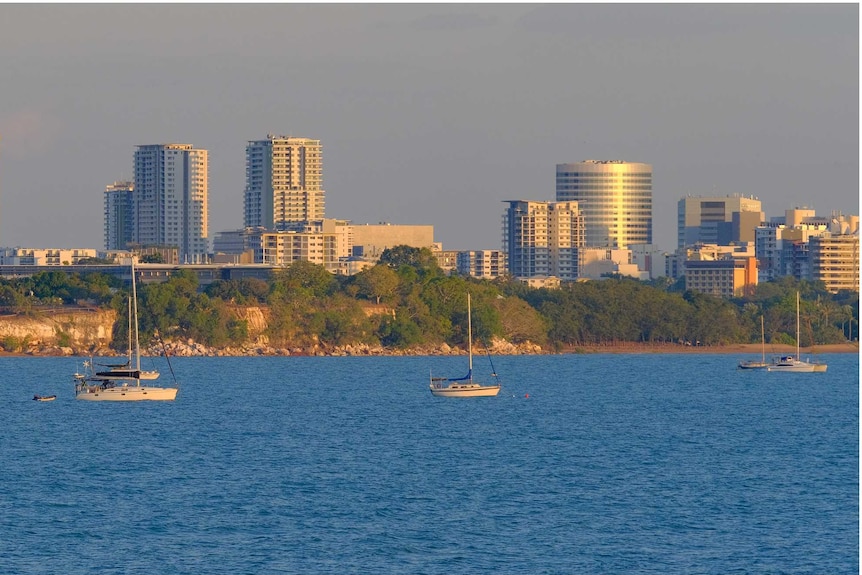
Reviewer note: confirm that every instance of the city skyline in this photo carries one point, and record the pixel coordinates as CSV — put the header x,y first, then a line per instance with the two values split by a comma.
x,y
429,114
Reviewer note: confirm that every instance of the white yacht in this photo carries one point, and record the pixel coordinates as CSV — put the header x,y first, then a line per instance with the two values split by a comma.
x,y
464,386
122,382
794,364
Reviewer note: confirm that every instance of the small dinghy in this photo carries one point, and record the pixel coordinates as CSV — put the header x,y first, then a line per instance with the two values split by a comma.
x,y
44,397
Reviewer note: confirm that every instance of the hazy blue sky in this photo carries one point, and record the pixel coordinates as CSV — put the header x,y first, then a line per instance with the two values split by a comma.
x,y
428,113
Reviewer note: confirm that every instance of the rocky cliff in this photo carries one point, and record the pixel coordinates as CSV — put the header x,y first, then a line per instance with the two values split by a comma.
x,y
89,332
60,331
257,320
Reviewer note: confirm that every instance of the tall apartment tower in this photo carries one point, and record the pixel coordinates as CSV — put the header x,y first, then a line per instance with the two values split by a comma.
x,y
717,220
835,261
171,199
119,215
615,198
543,238
284,178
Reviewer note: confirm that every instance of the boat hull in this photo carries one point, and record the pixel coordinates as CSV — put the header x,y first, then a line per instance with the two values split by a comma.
x,y
753,365
796,367
128,393
474,391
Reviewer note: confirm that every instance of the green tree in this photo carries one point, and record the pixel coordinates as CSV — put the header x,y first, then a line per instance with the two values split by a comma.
x,y
237,330
94,261
303,279
377,282
403,255
346,324
10,297
400,331
520,322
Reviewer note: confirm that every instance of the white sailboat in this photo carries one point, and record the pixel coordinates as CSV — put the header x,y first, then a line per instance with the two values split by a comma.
x,y
122,383
762,364
791,364
464,386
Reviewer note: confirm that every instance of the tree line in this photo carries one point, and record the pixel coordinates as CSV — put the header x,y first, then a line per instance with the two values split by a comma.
x,y
406,300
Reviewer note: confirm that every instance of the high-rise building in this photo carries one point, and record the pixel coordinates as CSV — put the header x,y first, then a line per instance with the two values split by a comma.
x,y
171,199
835,261
717,220
615,198
284,178
543,238
119,215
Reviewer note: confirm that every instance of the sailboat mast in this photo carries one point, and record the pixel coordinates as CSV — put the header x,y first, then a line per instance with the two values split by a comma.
x,y
135,307
797,326
129,312
469,334
762,342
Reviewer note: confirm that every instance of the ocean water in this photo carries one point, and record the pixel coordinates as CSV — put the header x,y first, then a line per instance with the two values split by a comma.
x,y
674,464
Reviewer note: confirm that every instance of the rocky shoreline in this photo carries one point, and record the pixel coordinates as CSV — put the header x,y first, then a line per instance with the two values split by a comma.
x,y
190,348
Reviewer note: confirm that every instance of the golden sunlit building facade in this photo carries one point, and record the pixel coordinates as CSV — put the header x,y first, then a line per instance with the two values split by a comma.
x,y
614,197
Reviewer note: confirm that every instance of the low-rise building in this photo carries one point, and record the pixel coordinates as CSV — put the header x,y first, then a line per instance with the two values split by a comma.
x,y
650,259
234,242
550,282
488,264
727,277
370,240
597,263
44,256
446,259
324,246
676,262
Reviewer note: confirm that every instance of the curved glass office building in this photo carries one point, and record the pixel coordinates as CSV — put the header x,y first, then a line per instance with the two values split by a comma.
x,y
615,198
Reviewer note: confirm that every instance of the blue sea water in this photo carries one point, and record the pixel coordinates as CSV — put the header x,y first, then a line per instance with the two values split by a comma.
x,y
675,464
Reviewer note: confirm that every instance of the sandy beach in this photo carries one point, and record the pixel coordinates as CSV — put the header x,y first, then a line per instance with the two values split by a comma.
x,y
742,348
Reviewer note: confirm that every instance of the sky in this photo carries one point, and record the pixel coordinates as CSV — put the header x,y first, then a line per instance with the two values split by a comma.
x,y
430,114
